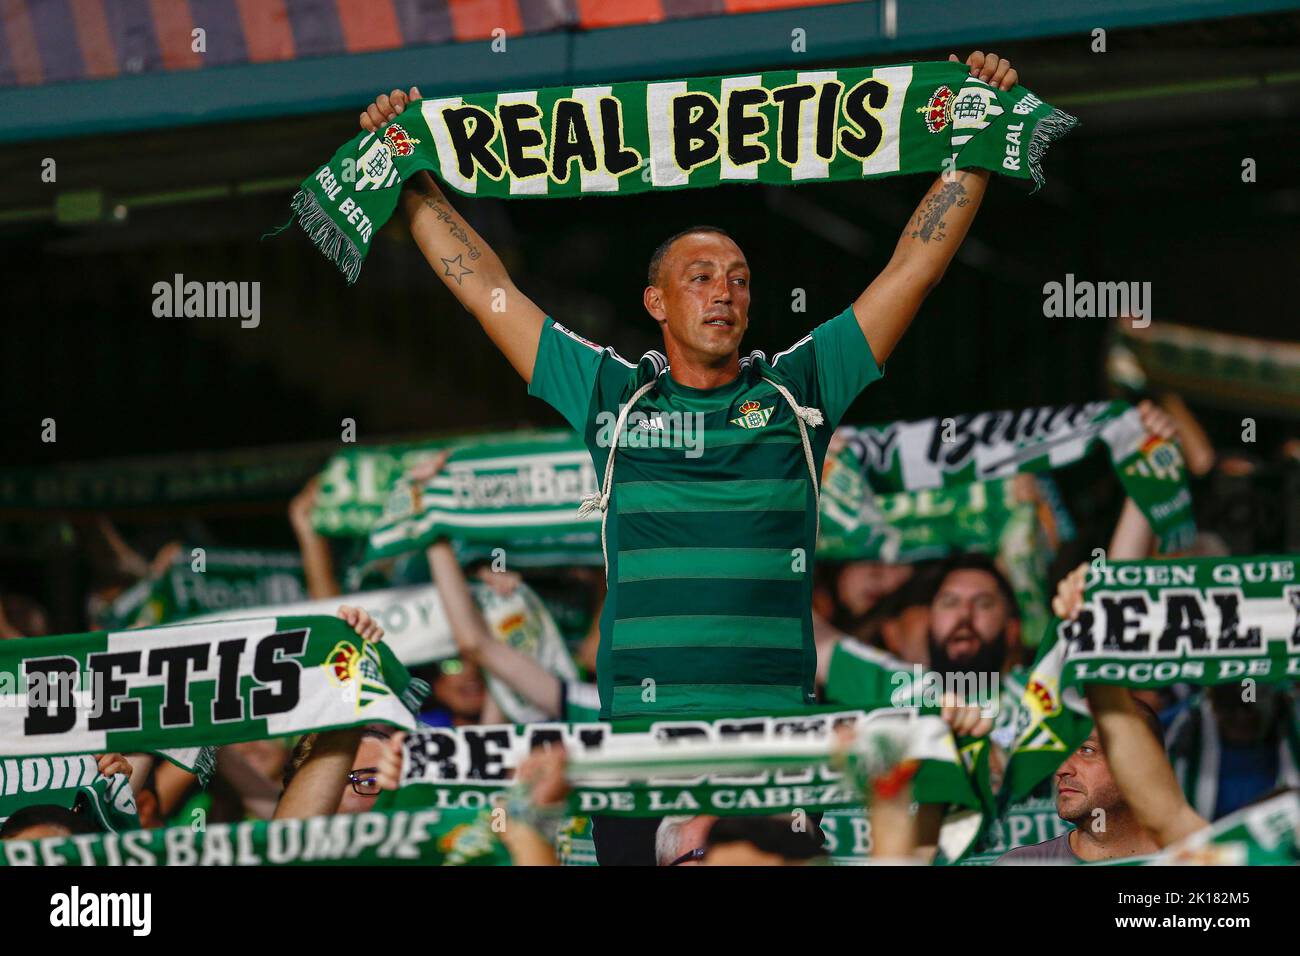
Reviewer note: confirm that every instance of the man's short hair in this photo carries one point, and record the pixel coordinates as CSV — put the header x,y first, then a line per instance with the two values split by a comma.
x,y
768,834
917,591
976,561
303,748
668,839
657,257
46,815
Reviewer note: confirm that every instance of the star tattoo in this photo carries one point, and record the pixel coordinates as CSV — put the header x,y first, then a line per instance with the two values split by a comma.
x,y
456,269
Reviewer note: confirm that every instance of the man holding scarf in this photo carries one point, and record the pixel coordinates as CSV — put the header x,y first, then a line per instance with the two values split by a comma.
x,y
708,556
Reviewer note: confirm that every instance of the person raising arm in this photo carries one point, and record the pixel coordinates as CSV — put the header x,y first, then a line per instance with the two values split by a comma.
x,y
457,253
476,276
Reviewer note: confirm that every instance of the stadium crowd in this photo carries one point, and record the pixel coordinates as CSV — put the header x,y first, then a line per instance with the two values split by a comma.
x,y
1137,769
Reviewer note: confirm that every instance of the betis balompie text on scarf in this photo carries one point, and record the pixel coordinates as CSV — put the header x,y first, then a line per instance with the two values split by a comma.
x,y
195,685
781,128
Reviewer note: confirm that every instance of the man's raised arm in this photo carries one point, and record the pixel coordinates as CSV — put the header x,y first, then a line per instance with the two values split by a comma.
x,y
465,263
930,240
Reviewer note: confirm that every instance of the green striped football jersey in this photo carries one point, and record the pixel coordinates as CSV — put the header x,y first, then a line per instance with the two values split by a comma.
x,y
712,521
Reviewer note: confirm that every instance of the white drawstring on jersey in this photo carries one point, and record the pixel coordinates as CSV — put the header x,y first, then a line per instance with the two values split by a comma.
x,y
804,417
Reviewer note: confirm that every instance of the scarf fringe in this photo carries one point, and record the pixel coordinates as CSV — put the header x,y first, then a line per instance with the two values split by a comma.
x,y
414,695
327,236
205,765
1046,132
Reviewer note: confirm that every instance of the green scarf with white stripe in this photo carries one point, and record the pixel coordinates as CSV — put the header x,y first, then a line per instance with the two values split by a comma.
x,y
213,581
1148,624
781,128
953,451
754,765
196,685
517,492
423,837
417,631
68,782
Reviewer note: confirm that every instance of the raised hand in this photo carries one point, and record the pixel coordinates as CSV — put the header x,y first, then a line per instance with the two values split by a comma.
x,y
113,764
361,622
990,68
1069,594
386,107
389,770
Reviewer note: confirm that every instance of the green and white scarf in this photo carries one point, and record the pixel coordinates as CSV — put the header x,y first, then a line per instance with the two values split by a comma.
x,y
912,526
1263,834
948,452
357,481
755,765
423,837
196,685
1147,624
417,631
1221,369
67,782
226,580
1024,823
909,526
782,128
517,493
414,622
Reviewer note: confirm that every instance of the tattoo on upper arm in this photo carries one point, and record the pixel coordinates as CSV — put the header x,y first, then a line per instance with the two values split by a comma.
x,y
444,214
929,222
456,269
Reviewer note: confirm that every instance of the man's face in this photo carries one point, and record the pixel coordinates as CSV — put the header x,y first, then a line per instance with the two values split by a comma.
x,y
907,636
461,692
862,583
368,753
1084,784
694,834
701,300
969,619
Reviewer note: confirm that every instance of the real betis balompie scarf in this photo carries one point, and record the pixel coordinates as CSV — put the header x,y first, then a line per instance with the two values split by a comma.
x,y
67,782
417,631
215,580
1152,624
422,837
784,127
521,496
944,452
194,685
725,767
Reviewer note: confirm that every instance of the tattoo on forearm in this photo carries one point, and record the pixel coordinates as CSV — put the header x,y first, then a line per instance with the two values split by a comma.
x,y
444,214
929,221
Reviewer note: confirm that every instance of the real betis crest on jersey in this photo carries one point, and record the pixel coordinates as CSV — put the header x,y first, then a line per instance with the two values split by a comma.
x,y
752,416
